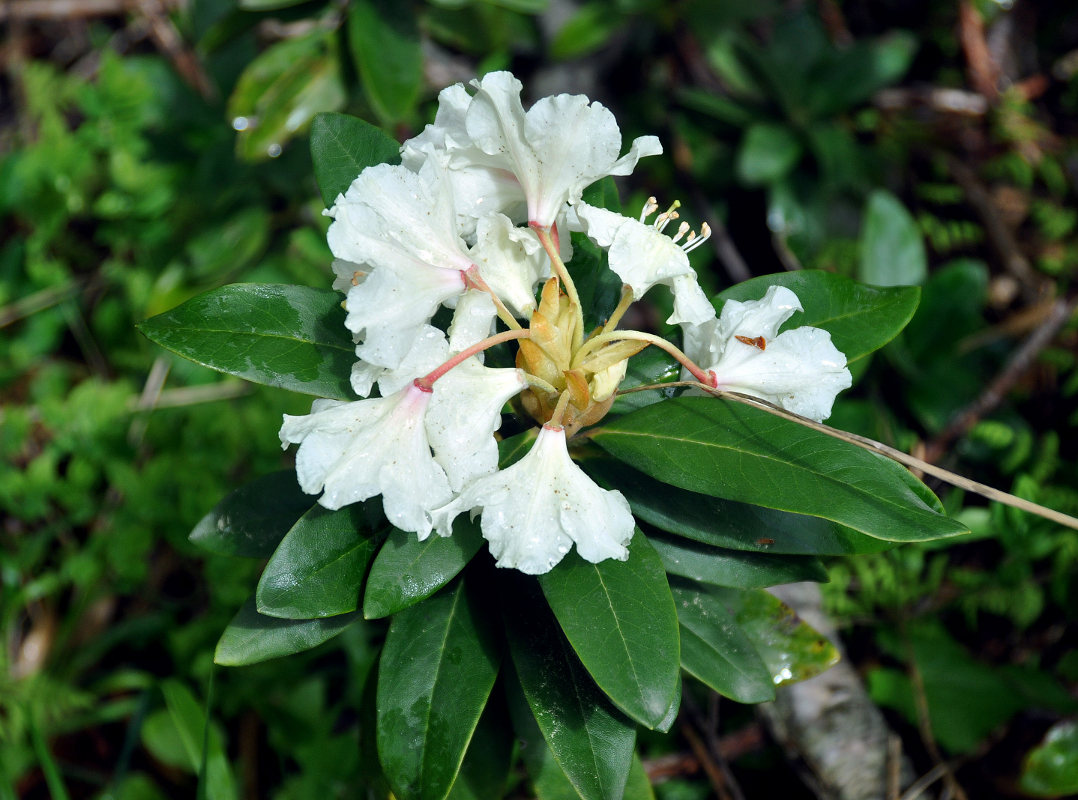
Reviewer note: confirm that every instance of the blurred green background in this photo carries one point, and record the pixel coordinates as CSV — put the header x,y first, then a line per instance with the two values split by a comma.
x,y
152,150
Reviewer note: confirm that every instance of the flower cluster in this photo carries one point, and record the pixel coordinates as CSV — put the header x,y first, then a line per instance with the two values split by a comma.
x,y
470,221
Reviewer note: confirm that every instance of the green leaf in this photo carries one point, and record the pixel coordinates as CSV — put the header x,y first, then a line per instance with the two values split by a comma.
x,y
599,287
620,618
649,366
407,570
568,730
734,568
742,453
252,520
853,75
1051,768
715,650
344,146
287,336
892,249
638,787
252,637
281,90
860,319
437,668
791,650
485,770
768,152
318,569
585,31
725,523
967,698
603,194
178,736
384,39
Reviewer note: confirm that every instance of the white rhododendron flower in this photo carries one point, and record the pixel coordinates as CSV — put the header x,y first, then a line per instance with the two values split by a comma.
x,y
643,256
354,451
403,226
535,510
800,370
561,145
469,223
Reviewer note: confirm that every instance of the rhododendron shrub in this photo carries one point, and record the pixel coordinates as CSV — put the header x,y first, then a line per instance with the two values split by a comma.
x,y
539,502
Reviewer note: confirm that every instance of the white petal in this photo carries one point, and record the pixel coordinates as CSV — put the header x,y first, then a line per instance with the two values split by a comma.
x,y
391,307
575,143
555,150
762,317
534,510
390,208
642,146
428,351
801,370
354,451
642,256
446,133
511,261
348,274
691,305
464,413
472,321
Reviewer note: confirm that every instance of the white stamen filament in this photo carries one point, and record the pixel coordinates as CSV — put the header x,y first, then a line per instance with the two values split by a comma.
x,y
695,241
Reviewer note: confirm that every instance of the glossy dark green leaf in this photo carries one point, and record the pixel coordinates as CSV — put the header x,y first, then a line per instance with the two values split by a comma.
x,y
791,650
742,453
715,650
252,520
860,319
485,770
725,523
281,90
620,618
384,39
318,569
892,249
1051,768
407,570
590,743
252,637
344,146
648,367
599,287
734,568
768,152
437,668
279,335
604,194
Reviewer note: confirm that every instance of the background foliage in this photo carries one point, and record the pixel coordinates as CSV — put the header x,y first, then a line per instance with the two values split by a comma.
x,y
150,156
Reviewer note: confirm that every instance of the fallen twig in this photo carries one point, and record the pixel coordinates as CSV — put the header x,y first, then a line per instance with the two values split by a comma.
x,y
1017,365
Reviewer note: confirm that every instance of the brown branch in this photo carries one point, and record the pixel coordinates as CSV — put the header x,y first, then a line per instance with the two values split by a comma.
x,y
983,71
168,41
711,768
999,235
1017,365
